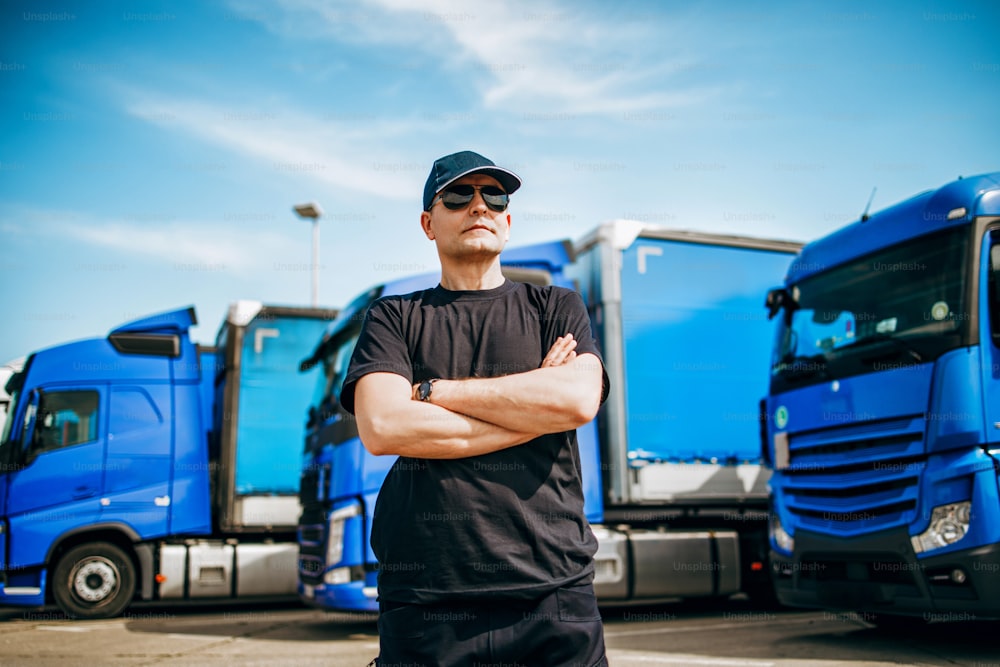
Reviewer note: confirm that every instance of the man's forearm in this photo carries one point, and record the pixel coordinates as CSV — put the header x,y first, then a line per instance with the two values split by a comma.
x,y
422,430
544,400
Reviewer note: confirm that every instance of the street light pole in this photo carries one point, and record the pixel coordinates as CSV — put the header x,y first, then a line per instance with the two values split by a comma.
x,y
312,211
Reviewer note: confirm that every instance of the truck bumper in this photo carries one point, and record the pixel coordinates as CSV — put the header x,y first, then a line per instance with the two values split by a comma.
x,y
881,574
354,596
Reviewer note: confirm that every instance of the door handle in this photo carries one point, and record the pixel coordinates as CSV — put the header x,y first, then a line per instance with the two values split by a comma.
x,y
81,492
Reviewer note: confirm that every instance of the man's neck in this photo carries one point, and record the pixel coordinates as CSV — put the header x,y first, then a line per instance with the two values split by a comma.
x,y
471,278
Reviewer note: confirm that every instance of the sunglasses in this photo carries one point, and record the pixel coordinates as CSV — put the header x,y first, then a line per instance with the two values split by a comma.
x,y
457,197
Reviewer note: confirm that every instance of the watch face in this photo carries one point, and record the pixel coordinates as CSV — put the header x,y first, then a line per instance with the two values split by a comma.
x,y
425,389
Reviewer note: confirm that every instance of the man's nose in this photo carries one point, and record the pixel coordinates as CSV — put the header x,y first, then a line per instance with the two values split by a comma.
x,y
477,207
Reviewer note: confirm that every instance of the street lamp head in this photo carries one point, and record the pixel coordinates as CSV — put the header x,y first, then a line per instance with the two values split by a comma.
x,y
310,210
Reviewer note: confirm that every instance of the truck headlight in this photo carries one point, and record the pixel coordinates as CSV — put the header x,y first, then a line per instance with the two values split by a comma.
x,y
782,539
949,524
335,532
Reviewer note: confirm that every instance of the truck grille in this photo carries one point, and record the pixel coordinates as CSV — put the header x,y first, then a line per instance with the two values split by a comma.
x,y
311,529
311,553
855,478
309,486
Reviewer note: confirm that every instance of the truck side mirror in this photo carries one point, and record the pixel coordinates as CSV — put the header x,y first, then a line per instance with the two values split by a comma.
x,y
777,299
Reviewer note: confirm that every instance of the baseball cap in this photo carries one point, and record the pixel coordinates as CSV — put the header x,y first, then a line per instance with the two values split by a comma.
x,y
450,168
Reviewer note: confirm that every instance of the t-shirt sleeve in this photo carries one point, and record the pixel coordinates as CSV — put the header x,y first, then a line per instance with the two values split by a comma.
x,y
381,348
568,314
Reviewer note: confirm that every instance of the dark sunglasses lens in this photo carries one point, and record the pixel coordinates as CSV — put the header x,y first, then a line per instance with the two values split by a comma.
x,y
457,196
495,198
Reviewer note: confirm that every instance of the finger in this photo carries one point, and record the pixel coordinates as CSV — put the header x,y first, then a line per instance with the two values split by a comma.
x,y
554,350
558,353
559,358
558,349
563,343
553,358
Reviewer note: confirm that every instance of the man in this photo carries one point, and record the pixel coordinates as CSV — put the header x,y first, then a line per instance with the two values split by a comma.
x,y
478,385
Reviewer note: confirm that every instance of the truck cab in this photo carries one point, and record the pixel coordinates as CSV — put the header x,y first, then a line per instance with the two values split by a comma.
x,y
882,421
93,462
144,466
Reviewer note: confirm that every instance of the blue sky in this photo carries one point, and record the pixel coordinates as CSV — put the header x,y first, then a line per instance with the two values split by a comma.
x,y
151,152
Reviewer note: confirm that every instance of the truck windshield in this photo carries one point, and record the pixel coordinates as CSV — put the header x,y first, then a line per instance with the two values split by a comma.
x,y
335,353
335,363
902,305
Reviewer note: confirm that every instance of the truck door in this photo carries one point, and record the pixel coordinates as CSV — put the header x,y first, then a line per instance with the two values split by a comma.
x,y
989,325
63,462
138,469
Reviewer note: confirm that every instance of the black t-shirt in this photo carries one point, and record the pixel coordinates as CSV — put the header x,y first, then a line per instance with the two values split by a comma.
x,y
505,524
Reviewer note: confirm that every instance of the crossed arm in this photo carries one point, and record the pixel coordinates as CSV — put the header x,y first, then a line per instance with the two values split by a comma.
x,y
479,415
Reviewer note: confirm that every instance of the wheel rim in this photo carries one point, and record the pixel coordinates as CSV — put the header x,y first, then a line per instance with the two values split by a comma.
x,y
95,580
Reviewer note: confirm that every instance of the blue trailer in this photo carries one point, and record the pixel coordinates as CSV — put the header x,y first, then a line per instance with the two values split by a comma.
x,y
673,484
883,416
143,466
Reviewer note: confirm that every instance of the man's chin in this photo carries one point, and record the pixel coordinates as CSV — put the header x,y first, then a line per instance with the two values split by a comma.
x,y
483,248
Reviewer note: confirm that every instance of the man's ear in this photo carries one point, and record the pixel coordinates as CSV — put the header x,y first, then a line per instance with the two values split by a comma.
x,y
425,224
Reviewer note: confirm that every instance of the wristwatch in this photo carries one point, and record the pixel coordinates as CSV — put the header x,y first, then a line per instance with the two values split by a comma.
x,y
424,389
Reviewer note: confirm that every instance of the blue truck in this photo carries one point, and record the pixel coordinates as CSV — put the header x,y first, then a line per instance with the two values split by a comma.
x,y
143,466
671,466
882,420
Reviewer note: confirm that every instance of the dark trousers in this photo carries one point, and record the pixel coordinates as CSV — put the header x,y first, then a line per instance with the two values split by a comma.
x,y
562,629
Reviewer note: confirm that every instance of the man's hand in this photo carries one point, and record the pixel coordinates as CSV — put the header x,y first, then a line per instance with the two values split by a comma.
x,y
562,352
562,394
390,422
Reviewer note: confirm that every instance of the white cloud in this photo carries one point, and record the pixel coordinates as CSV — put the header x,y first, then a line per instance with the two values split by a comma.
x,y
533,61
289,141
192,244
528,56
180,243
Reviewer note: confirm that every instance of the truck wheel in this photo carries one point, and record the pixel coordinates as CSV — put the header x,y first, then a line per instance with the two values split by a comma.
x,y
94,581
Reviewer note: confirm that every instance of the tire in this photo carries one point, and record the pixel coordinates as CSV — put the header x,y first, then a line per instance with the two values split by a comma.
x,y
94,580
